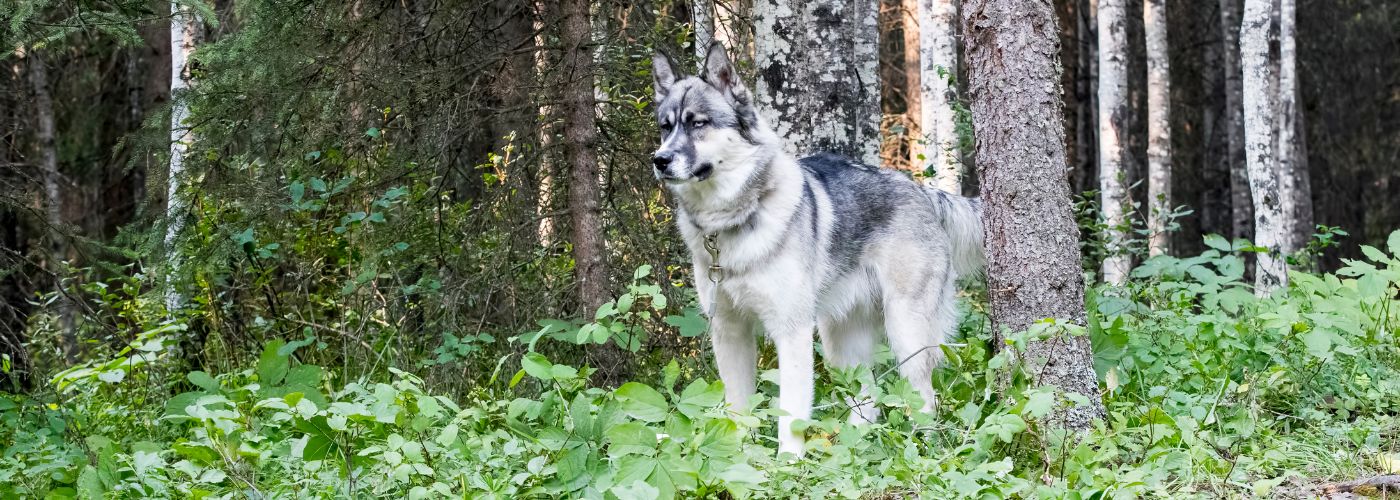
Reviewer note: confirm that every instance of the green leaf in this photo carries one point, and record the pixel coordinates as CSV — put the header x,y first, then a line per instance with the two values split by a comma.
x,y
563,372
1039,402
288,349
630,438
642,402
271,366
203,381
1004,426
112,376
692,324
298,191
698,397
1218,242
1318,343
317,447
720,439
373,132
1373,253
537,366
1393,243
637,490
643,271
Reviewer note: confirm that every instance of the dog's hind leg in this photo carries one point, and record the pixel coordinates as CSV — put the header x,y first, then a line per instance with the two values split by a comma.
x,y
850,341
917,320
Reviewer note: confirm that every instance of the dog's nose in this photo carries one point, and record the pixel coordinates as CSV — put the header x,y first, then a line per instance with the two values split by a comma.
x,y
662,161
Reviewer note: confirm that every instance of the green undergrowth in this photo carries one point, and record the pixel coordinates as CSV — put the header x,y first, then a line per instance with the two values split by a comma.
x,y
1210,391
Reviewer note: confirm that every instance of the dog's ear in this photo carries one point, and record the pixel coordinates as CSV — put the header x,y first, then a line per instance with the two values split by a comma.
x,y
663,74
720,73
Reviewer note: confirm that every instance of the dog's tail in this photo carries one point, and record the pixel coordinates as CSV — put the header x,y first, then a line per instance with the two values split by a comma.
x,y
962,221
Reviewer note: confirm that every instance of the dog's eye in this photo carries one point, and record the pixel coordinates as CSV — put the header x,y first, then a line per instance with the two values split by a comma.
x,y
666,126
699,123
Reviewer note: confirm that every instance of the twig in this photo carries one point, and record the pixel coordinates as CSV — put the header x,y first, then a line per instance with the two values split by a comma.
x,y
1364,486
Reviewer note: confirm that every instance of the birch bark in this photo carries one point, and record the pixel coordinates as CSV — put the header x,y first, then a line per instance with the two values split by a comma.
x,y
183,24
1113,127
938,63
818,84
1260,128
1159,126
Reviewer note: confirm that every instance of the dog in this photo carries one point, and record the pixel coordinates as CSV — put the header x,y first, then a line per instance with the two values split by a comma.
x,y
790,246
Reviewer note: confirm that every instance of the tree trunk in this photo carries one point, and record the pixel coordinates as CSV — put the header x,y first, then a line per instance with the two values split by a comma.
x,y
938,63
818,83
1113,137
1033,269
1271,221
1159,126
53,201
1295,188
702,21
581,135
544,203
1241,206
183,27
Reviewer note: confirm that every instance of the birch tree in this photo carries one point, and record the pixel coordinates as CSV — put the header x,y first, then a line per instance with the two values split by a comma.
x,y
1032,241
183,26
581,136
1113,123
702,21
53,199
1159,126
938,62
1295,188
1271,220
1241,206
818,83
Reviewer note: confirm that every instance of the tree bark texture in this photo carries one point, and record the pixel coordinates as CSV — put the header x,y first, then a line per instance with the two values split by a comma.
x,y
938,65
53,201
818,84
183,24
702,21
581,137
1271,220
1159,126
1033,269
1113,136
1241,204
1294,187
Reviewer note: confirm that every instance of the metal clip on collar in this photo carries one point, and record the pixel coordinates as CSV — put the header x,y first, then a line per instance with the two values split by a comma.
x,y
716,273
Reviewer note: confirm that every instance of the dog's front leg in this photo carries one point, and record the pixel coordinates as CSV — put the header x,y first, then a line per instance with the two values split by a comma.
x,y
794,346
736,354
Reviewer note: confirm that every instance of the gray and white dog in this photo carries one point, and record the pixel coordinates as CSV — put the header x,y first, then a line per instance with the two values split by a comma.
x,y
790,245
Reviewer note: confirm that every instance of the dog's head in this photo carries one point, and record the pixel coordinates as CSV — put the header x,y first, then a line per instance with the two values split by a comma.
x,y
707,122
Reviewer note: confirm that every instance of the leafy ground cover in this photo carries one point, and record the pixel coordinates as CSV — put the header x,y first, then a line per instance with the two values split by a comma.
x,y
1211,391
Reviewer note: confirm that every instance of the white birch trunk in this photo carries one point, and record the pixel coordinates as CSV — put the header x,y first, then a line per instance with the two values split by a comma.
x,y
1159,126
544,203
1113,119
183,24
938,64
703,23
812,53
1270,219
1292,171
